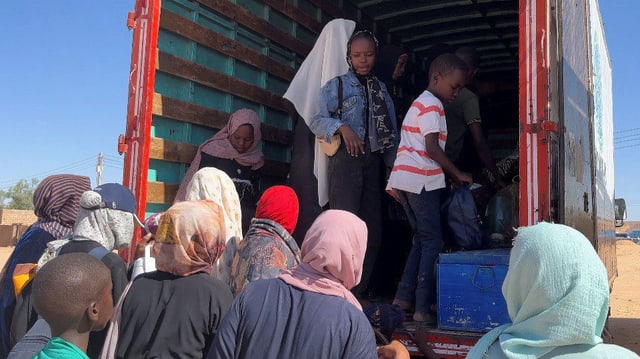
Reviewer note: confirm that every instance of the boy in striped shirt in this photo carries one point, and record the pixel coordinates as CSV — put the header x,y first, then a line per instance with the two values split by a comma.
x,y
418,179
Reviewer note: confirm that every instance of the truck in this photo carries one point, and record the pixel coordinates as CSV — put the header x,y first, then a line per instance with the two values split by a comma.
x,y
545,89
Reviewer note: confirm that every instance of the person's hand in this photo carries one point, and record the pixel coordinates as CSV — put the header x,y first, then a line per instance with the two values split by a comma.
x,y
352,143
463,178
142,244
393,350
393,193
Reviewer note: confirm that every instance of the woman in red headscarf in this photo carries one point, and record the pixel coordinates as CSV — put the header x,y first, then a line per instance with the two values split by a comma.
x,y
268,246
234,150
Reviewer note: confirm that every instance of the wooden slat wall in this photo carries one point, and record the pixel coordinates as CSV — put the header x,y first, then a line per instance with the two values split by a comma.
x,y
179,152
203,75
261,26
209,117
162,149
209,38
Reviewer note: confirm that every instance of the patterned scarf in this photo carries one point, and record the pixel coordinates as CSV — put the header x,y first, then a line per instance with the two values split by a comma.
x,y
379,113
190,238
56,203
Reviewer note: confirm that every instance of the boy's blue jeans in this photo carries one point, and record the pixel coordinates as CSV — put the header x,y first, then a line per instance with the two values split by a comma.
x,y
418,281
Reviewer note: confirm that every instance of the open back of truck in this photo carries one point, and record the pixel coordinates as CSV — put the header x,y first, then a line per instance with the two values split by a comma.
x,y
544,85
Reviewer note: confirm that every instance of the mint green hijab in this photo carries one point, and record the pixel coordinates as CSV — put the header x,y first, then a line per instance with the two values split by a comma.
x,y
557,294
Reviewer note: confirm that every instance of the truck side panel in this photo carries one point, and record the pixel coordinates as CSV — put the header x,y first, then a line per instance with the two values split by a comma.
x,y
576,209
602,114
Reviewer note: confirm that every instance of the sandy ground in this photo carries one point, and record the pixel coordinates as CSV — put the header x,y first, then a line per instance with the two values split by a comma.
x,y
624,322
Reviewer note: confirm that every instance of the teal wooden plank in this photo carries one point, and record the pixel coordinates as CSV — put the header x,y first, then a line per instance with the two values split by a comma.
x,y
175,44
238,103
250,74
276,152
305,35
182,8
168,172
277,118
308,8
152,175
213,59
172,86
281,54
209,97
255,7
277,85
216,22
199,134
153,208
280,21
170,129
251,40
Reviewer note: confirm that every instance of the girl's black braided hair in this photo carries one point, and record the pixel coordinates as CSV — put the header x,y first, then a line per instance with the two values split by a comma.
x,y
360,34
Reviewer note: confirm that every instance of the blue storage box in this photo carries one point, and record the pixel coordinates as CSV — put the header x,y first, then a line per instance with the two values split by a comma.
x,y
470,290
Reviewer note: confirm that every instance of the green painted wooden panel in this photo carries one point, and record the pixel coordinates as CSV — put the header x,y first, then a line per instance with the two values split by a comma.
x,y
280,21
251,40
283,55
239,103
213,59
250,74
306,35
170,129
215,22
168,172
209,97
277,118
155,208
199,134
277,151
173,86
308,8
255,7
175,44
276,85
183,8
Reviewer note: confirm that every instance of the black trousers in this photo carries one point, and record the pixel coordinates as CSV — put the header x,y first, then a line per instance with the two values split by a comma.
x,y
356,185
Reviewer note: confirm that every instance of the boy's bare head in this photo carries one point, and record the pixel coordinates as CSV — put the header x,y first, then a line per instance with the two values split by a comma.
x,y
447,75
73,292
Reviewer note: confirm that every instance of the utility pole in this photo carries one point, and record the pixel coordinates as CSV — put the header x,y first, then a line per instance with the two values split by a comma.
x,y
99,169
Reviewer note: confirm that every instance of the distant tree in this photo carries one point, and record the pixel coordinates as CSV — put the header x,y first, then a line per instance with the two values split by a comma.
x,y
20,195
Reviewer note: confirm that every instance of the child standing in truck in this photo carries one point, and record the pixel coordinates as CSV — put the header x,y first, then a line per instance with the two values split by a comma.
x,y
418,179
364,118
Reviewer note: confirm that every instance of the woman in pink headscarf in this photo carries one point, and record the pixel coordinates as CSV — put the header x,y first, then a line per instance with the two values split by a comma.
x,y
234,150
308,312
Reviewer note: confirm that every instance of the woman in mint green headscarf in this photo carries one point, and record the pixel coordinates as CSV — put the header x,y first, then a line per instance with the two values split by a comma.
x,y
557,296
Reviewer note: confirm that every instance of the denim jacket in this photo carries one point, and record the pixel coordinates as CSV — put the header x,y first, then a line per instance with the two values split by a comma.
x,y
326,122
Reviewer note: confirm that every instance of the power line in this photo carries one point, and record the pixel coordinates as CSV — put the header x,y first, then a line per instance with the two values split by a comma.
x,y
628,140
51,171
629,130
625,136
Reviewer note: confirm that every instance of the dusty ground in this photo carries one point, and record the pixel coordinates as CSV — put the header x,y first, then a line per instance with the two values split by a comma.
x,y
624,322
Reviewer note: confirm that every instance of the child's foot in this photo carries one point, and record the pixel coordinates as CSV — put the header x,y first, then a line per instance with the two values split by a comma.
x,y
424,318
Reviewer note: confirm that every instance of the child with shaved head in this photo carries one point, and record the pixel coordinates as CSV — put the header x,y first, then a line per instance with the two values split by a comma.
x,y
72,293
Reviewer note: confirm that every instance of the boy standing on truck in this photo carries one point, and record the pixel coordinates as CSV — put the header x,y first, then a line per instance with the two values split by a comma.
x,y
417,181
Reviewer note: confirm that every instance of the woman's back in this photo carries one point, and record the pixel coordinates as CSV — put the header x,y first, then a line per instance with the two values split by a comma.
x,y
271,319
165,315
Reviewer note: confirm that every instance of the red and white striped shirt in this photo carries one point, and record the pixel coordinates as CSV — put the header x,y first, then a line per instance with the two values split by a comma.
x,y
413,169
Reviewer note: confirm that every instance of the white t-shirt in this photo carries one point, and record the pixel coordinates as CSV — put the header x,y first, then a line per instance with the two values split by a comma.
x,y
413,169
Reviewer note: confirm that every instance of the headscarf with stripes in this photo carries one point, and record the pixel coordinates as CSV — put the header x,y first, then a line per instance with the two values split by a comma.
x,y
56,203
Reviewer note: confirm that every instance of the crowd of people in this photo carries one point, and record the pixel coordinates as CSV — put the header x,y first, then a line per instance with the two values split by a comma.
x,y
231,271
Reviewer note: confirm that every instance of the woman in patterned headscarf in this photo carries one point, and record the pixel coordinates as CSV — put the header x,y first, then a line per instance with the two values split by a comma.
x,y
56,204
177,309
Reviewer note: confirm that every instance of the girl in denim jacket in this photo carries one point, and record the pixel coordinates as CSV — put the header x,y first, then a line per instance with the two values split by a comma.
x,y
366,124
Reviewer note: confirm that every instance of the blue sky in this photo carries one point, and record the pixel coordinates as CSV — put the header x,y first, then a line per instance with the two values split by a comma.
x,y
63,95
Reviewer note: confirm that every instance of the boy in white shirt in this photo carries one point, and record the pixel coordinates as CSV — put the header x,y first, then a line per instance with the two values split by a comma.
x,y
418,179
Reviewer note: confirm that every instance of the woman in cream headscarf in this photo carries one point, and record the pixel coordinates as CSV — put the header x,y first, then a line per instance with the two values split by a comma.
x,y
557,296
325,61
213,184
175,311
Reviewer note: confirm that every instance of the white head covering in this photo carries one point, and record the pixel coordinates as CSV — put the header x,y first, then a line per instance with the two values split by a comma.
x,y
557,294
112,228
326,60
215,185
